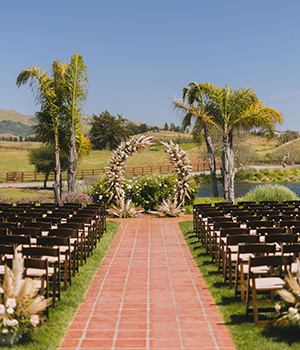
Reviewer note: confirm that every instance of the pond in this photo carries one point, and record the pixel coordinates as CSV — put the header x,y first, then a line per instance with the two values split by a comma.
x,y
241,189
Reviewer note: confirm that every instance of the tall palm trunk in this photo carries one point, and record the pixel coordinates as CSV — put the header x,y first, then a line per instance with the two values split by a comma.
x,y
57,188
212,161
72,162
228,170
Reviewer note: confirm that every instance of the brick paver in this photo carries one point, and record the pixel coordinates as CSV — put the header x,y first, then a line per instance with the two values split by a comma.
x,y
148,294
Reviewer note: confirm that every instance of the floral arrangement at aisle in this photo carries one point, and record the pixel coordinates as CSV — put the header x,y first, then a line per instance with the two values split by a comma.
x,y
174,205
20,304
291,297
115,172
76,197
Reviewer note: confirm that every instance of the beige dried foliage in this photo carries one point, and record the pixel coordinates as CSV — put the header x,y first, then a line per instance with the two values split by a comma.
x,y
7,283
17,273
170,207
287,296
27,291
36,306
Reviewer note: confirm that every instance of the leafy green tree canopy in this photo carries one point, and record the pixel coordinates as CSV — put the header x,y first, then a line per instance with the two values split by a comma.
x,y
107,131
43,160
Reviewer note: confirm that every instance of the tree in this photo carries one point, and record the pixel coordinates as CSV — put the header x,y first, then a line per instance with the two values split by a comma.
x,y
172,127
43,159
233,110
288,143
196,109
58,118
166,127
46,90
77,83
107,131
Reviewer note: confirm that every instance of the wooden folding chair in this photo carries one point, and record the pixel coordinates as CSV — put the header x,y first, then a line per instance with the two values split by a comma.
x,y
242,267
215,235
54,270
65,255
37,269
231,254
220,243
84,244
268,284
73,234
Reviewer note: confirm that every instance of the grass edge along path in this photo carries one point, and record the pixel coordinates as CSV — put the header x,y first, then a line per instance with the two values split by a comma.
x,y
243,333
51,334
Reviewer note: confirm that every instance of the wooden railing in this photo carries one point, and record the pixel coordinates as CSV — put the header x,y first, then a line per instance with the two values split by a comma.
x,y
83,174
146,170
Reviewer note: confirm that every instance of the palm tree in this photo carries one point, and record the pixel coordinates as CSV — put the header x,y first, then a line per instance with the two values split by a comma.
x,y
45,90
77,83
234,110
197,109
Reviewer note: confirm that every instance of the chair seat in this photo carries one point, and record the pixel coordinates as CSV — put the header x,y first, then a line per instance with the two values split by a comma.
x,y
268,284
257,270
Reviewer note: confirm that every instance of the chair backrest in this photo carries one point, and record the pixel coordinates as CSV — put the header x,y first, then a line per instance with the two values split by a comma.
x,y
77,225
32,231
9,225
84,219
6,250
53,241
259,223
288,223
64,232
291,248
246,218
281,238
3,231
213,219
22,219
257,249
15,239
236,239
53,219
270,260
268,202
270,230
39,251
45,226
234,231
225,224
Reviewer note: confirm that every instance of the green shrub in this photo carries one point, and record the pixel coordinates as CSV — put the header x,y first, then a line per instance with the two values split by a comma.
x,y
270,192
149,191
99,190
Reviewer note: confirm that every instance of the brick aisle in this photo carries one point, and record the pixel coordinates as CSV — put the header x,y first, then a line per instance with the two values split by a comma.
x,y
148,294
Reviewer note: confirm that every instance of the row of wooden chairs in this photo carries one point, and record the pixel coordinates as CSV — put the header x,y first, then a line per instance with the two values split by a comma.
x,y
62,242
239,246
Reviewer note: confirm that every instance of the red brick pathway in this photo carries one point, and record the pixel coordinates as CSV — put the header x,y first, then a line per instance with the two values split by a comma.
x,y
148,294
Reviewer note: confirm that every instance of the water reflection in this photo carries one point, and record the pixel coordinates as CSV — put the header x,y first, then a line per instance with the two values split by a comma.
x,y
241,189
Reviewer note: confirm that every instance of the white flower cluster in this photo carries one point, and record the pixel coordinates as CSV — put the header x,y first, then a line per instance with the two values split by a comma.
x,y
183,170
114,172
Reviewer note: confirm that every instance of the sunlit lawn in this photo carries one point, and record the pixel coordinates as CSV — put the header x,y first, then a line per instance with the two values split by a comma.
x,y
50,335
243,332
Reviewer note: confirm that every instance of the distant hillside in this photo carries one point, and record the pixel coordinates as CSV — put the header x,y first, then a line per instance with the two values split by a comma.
x,y
15,124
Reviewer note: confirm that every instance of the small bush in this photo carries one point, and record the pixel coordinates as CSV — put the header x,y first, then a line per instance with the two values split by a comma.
x,y
270,192
77,197
149,191
99,191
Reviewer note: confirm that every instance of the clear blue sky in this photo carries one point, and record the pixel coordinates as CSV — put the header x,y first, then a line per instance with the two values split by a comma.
x,y
140,53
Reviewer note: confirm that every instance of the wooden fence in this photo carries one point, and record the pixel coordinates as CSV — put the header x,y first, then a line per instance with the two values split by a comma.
x,y
11,177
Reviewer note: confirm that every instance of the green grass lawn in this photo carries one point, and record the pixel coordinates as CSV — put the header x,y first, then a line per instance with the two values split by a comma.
x,y
50,335
244,335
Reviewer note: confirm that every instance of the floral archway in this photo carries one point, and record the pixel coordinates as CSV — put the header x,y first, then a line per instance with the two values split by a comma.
x,y
115,174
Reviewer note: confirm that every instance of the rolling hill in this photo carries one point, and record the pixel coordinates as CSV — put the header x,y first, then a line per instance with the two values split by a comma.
x,y
13,123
